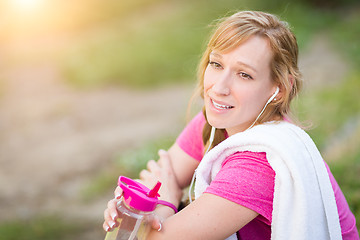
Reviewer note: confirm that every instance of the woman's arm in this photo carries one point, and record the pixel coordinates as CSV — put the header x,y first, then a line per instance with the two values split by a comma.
x,y
174,170
183,165
208,217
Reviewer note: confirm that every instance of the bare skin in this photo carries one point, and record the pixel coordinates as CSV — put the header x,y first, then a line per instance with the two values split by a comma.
x,y
213,217
237,85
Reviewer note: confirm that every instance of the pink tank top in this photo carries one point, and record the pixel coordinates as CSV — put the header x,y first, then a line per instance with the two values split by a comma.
x,y
247,178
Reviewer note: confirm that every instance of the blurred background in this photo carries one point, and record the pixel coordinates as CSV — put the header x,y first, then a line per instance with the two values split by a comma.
x,y
91,89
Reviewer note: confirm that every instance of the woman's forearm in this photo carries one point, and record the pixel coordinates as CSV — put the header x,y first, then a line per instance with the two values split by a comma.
x,y
183,165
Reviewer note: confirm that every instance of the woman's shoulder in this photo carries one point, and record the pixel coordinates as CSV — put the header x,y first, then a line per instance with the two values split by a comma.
x,y
199,118
250,155
249,159
190,139
272,132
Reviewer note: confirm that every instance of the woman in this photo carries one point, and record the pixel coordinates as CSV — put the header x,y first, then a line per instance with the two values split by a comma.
x,y
248,76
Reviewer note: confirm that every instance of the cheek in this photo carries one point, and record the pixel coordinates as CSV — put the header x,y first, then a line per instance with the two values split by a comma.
x,y
249,100
208,82
244,99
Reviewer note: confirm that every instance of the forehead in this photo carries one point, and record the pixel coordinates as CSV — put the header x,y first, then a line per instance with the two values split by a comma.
x,y
254,51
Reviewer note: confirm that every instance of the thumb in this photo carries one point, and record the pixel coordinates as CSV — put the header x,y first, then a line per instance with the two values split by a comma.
x,y
156,223
118,192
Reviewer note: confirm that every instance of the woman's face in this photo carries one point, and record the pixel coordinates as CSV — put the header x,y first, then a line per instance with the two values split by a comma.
x,y
237,85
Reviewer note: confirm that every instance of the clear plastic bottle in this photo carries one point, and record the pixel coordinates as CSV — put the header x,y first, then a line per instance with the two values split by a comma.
x,y
135,209
133,224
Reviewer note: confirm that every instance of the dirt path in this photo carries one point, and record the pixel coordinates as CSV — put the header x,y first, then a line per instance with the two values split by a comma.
x,y
53,138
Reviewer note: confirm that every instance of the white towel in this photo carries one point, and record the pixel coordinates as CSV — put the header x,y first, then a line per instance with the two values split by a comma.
x,y
304,204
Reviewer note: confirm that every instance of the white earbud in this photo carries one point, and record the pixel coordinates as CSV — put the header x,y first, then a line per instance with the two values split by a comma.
x,y
270,99
273,96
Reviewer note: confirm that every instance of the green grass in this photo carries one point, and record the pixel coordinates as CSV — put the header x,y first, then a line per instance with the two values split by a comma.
x,y
150,53
346,169
346,35
306,21
346,172
336,104
128,164
159,49
40,228
329,108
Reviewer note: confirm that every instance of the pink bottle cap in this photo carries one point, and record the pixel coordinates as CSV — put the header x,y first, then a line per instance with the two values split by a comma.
x,y
139,196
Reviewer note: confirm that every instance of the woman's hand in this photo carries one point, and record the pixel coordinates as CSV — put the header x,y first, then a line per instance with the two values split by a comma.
x,y
157,171
162,171
111,214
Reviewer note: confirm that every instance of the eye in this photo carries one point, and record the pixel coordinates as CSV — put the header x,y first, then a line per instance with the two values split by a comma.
x,y
215,65
245,76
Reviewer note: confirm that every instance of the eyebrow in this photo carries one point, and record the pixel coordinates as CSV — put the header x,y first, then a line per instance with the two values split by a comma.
x,y
238,62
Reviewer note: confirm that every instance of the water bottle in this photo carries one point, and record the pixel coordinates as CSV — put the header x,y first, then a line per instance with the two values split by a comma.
x,y
135,209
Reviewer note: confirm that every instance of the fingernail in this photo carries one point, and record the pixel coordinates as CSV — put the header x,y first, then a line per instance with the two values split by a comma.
x,y
112,225
162,151
113,215
160,226
108,229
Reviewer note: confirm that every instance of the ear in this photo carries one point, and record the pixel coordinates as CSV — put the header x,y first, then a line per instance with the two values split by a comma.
x,y
277,92
282,89
291,80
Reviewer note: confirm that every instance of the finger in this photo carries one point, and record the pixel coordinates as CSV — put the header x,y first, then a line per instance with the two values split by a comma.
x,y
106,219
164,160
112,209
144,175
140,181
106,227
118,192
109,222
156,224
147,178
153,167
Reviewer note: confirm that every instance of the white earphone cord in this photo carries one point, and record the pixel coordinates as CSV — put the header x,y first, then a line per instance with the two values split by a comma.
x,y
212,135
270,99
211,140
258,116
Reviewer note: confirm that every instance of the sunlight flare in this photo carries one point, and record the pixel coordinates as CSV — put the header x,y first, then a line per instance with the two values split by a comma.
x,y
26,5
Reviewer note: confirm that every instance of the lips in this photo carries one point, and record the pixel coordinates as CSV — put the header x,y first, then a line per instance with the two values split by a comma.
x,y
221,106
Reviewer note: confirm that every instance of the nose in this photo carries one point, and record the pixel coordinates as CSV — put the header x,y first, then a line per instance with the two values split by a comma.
x,y
222,84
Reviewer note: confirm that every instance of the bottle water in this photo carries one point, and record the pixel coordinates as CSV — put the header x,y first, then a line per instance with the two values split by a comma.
x,y
135,210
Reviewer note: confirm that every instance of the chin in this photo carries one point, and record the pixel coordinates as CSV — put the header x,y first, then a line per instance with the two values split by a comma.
x,y
217,123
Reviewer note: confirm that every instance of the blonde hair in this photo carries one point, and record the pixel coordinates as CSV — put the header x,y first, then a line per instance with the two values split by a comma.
x,y
234,30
